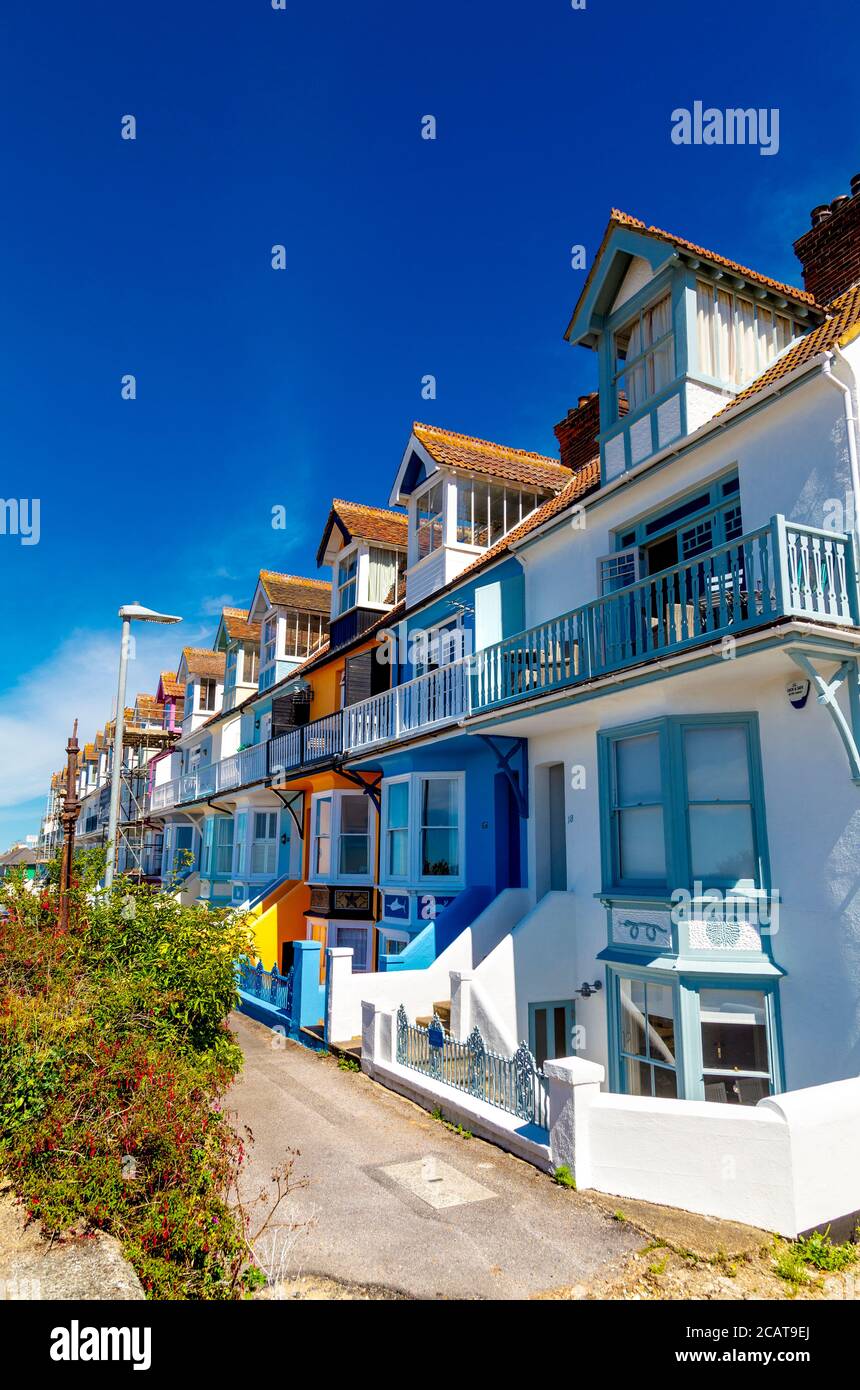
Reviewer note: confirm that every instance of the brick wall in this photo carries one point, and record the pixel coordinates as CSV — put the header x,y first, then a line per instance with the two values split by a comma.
x,y
830,252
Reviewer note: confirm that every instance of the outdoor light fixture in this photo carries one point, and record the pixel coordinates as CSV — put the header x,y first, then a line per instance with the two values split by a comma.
x,y
130,613
587,990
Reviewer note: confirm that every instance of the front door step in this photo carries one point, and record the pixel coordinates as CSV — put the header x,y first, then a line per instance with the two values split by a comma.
x,y
441,1007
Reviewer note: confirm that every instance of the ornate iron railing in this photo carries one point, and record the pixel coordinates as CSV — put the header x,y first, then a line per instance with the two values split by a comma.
x,y
268,985
514,1084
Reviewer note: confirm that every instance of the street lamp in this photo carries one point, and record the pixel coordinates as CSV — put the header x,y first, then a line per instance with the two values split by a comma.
x,y
130,612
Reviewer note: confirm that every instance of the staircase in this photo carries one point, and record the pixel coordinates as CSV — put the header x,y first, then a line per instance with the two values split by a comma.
x,y
442,1009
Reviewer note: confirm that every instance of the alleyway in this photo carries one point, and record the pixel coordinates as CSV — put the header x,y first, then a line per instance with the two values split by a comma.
x,y
485,1225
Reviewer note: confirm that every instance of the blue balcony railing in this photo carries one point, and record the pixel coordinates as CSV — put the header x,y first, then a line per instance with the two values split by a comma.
x,y
778,571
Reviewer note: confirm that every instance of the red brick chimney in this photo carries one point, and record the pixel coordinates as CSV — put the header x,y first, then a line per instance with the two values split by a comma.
x,y
830,251
577,433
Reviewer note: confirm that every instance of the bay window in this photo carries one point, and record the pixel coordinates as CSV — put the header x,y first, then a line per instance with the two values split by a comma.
x,y
736,1056
423,828
682,804
645,354
487,511
342,838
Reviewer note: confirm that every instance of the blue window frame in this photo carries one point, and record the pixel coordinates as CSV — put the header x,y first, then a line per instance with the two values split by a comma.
x,y
682,805
708,1038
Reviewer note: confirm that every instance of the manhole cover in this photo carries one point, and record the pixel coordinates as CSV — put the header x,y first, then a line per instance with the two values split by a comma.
x,y
437,1183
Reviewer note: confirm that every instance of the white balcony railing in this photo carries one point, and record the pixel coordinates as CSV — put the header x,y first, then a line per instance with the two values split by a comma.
x,y
440,697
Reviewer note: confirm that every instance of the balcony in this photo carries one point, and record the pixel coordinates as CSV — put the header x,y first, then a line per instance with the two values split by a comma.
x,y
317,742
780,571
238,770
428,702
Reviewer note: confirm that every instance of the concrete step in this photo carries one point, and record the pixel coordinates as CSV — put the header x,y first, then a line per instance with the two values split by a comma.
x,y
443,1008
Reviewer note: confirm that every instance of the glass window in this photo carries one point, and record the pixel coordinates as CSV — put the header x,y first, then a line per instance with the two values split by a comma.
x,y
270,638
428,520
735,1052
497,513
638,811
385,568
358,938
347,573
645,354
736,338
265,846
322,836
551,1031
207,693
224,845
354,856
397,830
722,840
440,827
647,1042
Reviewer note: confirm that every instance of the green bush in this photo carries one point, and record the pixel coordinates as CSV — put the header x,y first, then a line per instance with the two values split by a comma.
x,y
114,1054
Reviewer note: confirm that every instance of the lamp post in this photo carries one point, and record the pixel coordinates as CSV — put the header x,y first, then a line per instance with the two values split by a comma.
x,y
68,818
130,612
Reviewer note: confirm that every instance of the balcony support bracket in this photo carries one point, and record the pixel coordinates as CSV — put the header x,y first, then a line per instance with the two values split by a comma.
x,y
519,783
290,803
847,673
371,789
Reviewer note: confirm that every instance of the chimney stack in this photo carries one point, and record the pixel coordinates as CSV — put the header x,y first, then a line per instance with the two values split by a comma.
x,y
577,433
830,251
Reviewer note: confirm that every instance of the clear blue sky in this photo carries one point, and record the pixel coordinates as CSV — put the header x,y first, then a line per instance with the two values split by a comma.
x,y
405,257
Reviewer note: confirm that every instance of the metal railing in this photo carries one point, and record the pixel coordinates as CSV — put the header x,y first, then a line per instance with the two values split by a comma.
x,y
319,741
268,985
514,1084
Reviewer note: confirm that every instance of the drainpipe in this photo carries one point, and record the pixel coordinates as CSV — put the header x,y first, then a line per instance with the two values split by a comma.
x,y
851,427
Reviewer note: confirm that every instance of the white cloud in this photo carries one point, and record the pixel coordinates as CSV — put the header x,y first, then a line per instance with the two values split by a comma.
x,y
211,607
78,681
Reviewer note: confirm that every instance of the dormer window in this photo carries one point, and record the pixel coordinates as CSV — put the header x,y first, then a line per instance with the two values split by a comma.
x,y
645,355
429,530
384,571
270,640
487,511
207,693
737,339
347,582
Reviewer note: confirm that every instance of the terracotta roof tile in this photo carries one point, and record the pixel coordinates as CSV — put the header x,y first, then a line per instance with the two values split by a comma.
x,y
237,626
171,686
293,591
840,327
494,460
624,219
202,661
370,523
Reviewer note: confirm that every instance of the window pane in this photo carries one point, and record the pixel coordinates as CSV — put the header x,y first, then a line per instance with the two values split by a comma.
x,y
398,804
632,996
642,850
439,801
323,816
717,768
398,853
705,327
560,1032
353,815
323,857
721,842
356,937
637,762
439,852
661,1023
482,504
637,1078
464,511
665,1083
497,513
353,854
734,1030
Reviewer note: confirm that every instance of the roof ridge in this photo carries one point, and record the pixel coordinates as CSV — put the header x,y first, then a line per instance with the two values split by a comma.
x,y
488,443
368,507
298,579
622,218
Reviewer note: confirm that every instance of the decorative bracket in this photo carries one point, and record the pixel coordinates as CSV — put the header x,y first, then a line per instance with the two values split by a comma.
x,y
371,789
828,689
290,802
520,788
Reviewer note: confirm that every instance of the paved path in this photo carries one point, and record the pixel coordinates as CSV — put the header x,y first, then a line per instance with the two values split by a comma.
x,y
496,1227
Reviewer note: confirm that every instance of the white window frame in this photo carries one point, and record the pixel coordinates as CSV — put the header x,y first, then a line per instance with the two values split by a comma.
x,y
345,558
394,880
415,878
255,811
336,797
439,480
630,551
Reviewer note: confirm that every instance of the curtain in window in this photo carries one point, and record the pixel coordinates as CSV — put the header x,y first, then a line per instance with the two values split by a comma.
x,y
634,379
705,328
747,336
726,353
662,361
383,575
764,336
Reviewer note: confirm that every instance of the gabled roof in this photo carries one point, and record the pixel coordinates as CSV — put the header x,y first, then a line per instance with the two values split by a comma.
x,y
446,448
293,591
841,327
235,627
202,661
356,521
618,219
170,687
149,707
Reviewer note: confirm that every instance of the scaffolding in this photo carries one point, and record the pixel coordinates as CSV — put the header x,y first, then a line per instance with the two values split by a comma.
x,y
139,838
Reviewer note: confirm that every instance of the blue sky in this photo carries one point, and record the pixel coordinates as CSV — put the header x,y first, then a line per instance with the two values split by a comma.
x,y
404,257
